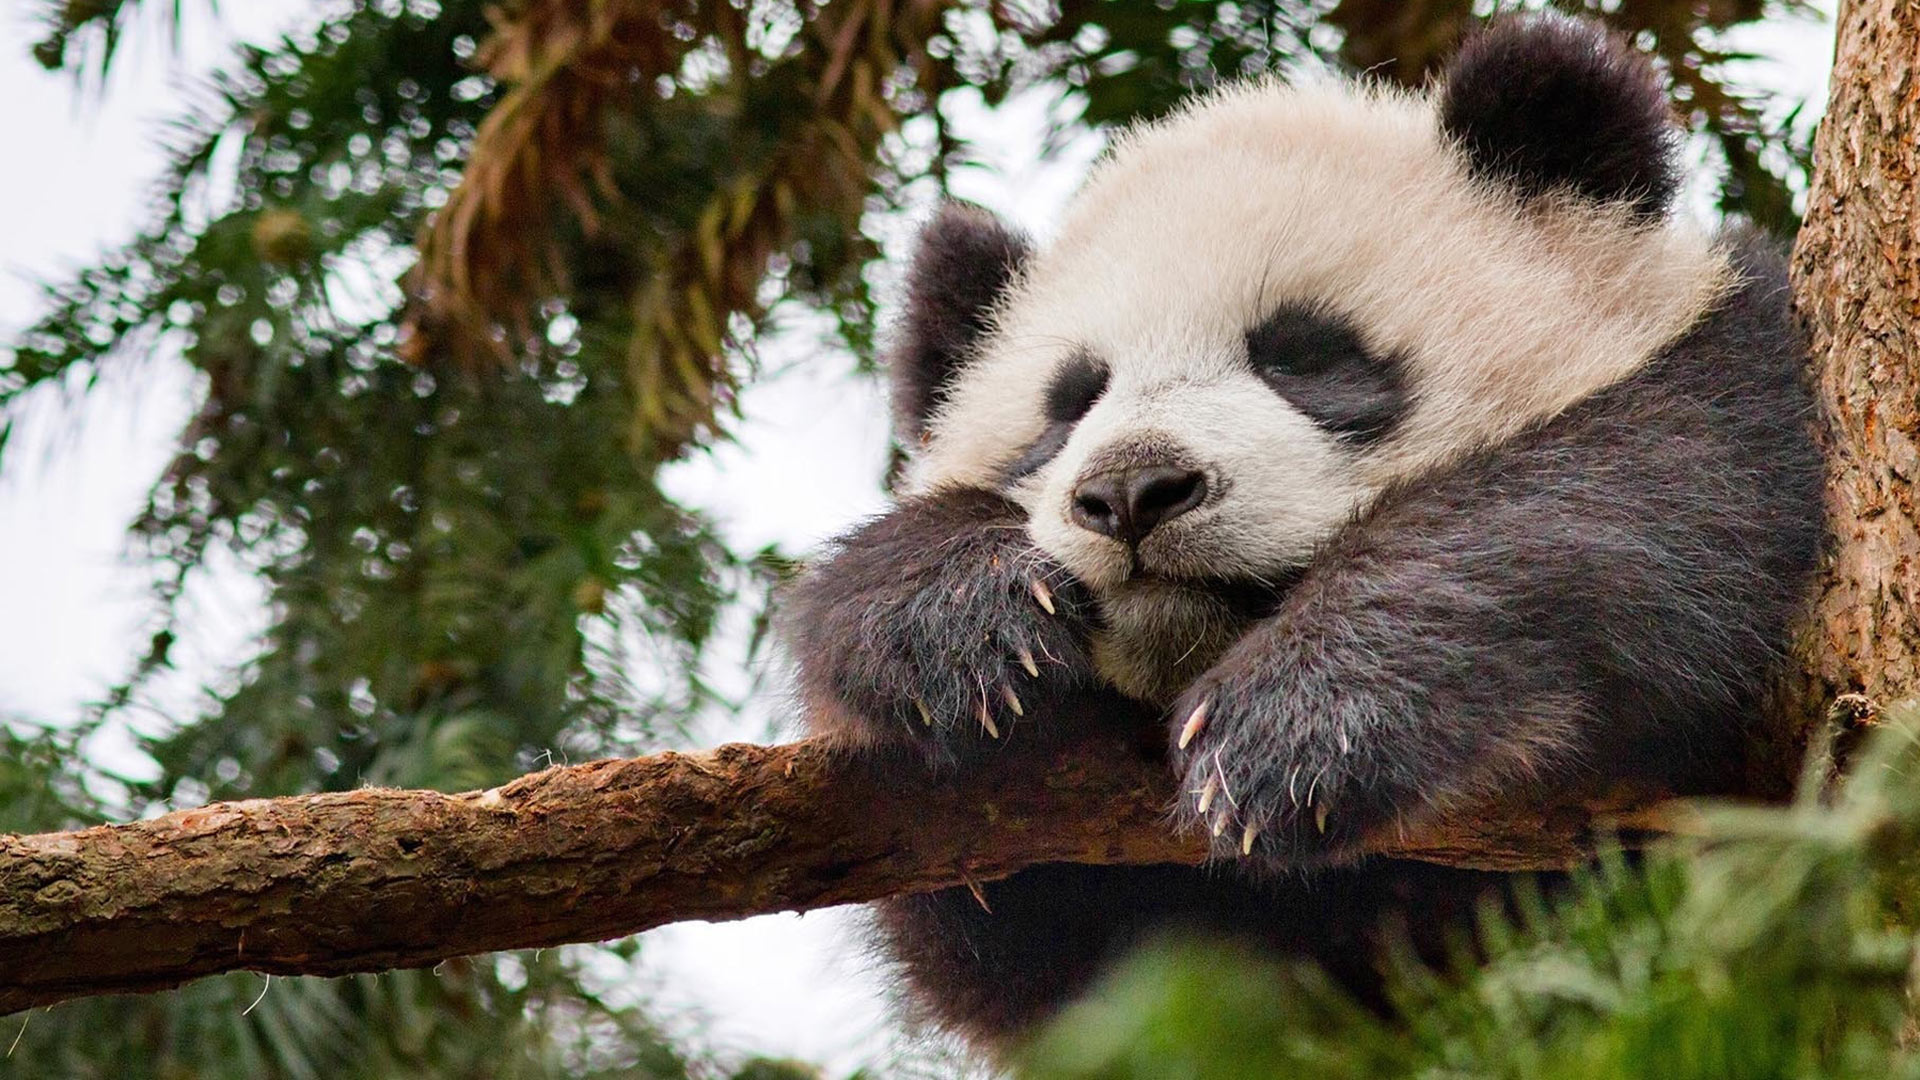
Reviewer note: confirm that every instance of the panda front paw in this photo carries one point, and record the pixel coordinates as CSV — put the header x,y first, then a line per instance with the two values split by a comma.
x,y
938,628
1274,771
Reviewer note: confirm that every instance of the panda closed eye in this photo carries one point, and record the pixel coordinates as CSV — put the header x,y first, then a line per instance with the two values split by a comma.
x,y
1076,385
1318,361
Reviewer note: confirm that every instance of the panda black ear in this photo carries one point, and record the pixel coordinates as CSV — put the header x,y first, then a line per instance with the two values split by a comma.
x,y
1547,103
965,259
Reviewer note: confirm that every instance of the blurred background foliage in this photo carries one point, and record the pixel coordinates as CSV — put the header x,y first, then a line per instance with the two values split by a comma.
x,y
457,280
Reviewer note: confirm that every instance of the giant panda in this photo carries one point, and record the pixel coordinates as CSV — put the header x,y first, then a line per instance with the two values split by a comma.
x,y
1385,452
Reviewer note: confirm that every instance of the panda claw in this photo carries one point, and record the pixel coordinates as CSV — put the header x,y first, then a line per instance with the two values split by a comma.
x,y
926,714
1219,824
986,720
1208,791
1247,838
1026,661
1320,817
1044,595
1195,721
1013,701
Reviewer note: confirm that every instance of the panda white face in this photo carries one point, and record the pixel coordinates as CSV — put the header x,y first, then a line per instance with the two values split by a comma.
x,y
1258,314
1202,467
1185,493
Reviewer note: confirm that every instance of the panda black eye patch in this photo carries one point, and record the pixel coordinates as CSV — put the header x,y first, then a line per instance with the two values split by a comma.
x,y
1318,361
1076,385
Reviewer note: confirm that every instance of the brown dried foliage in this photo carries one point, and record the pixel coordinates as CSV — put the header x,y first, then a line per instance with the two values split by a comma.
x,y
495,250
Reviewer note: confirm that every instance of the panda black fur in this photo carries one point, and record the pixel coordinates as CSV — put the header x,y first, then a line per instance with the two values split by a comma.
x,y
1388,452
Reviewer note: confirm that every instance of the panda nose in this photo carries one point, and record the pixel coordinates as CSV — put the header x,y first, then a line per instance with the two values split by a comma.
x,y
1129,503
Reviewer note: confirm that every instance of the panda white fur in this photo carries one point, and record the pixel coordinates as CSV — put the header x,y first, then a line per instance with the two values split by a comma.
x,y
1385,451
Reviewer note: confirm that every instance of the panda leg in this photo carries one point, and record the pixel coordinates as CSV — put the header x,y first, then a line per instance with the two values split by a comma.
x,y
1595,600
938,629
993,965
990,966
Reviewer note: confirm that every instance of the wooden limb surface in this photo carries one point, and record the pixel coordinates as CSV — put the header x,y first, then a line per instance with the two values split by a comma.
x,y
377,879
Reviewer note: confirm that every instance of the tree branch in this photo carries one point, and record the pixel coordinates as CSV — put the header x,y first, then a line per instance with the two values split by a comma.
x,y
376,879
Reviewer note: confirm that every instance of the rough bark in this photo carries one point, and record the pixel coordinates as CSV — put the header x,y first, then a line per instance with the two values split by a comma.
x,y
376,879
1856,282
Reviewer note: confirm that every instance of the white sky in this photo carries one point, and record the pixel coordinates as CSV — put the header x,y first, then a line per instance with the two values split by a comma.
x,y
805,465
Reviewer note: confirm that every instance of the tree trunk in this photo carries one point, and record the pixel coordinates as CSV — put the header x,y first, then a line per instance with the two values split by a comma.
x,y
1856,283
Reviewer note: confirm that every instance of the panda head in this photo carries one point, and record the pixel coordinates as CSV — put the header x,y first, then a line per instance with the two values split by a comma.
x,y
1260,312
